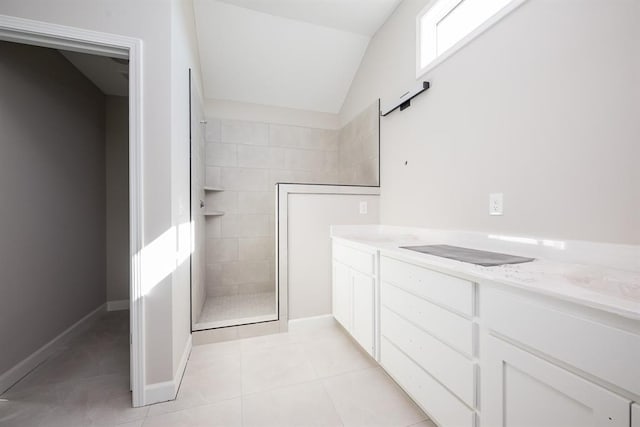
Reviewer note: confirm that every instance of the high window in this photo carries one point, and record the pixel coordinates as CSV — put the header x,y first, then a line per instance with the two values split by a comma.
x,y
444,26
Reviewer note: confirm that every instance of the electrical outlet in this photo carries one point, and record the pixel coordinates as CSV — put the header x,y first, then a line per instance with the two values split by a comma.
x,y
496,205
363,208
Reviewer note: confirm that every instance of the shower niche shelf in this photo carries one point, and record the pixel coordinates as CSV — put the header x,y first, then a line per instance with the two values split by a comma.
x,y
214,213
213,189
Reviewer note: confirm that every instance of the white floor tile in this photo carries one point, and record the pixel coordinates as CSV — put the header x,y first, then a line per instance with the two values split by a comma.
x,y
221,414
205,382
275,367
336,353
370,398
300,405
310,377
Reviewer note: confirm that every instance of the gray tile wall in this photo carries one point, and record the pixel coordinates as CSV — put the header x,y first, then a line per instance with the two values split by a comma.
x,y
247,159
359,149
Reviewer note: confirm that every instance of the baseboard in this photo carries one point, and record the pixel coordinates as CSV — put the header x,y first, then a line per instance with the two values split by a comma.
x,y
118,305
16,373
159,392
311,322
168,390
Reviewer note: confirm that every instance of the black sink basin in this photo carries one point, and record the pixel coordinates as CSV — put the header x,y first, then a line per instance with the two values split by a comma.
x,y
472,256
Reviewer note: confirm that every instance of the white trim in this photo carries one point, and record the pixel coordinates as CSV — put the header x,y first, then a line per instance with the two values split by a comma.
x,y
168,390
159,392
420,71
282,233
118,305
13,375
58,36
312,322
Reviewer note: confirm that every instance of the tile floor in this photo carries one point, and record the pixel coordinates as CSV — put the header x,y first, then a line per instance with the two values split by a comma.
x,y
307,377
220,311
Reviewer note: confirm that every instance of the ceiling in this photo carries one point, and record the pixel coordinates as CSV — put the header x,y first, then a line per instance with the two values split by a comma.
x,y
108,74
300,54
355,16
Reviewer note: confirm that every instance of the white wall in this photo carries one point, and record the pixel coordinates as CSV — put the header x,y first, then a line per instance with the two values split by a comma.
x,y
309,217
184,55
542,107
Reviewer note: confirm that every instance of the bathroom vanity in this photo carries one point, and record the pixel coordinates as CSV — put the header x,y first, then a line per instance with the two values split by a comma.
x,y
542,343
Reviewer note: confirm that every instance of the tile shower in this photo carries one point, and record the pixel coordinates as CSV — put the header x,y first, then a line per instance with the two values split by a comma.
x,y
242,163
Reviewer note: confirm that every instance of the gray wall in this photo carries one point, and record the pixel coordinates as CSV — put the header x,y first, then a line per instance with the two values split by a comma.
x,y
542,107
52,199
117,176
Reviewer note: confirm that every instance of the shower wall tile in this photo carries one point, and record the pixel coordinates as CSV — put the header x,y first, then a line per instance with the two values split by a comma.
x,y
213,177
256,202
221,155
244,179
246,159
285,136
222,250
359,149
240,132
307,160
246,225
213,277
251,156
213,227
256,249
320,139
245,272
225,201
213,130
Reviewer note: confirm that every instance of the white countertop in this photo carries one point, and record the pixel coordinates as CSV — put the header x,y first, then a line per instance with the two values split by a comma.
x,y
602,276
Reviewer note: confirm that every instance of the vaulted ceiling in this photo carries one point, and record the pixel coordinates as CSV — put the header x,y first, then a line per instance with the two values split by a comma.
x,y
300,54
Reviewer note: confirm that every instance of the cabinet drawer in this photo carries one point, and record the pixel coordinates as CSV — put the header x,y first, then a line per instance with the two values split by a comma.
x,y
442,289
449,327
359,260
449,367
437,401
606,352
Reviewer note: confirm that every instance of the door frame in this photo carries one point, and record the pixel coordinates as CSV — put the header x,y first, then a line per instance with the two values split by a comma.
x,y
44,34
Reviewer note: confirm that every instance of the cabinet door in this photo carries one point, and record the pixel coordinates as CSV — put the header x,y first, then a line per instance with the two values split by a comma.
x,y
522,390
635,415
363,306
342,293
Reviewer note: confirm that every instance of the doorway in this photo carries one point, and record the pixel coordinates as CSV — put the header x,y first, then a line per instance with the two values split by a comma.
x,y
125,49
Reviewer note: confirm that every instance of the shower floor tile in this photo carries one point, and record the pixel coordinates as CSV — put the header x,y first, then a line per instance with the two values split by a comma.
x,y
220,311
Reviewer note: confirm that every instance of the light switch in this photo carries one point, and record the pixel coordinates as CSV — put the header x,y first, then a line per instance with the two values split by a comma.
x,y
496,205
363,208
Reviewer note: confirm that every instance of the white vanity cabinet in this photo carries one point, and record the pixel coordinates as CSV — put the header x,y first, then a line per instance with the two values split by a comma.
x,y
428,339
353,292
550,366
520,389
476,351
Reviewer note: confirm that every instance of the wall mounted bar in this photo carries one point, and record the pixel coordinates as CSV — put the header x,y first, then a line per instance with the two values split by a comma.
x,y
405,99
